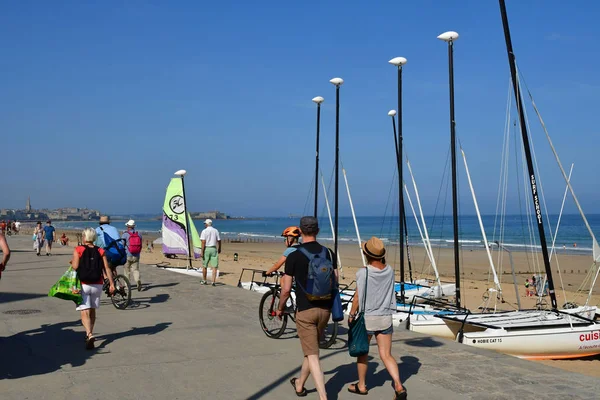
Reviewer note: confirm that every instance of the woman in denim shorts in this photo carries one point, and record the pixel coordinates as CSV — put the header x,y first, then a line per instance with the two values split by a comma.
x,y
380,304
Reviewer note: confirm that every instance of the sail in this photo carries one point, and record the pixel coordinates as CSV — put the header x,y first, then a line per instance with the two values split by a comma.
x,y
174,225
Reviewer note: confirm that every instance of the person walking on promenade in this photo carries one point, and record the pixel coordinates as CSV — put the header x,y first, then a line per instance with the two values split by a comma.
x,y
312,315
89,261
133,246
291,235
5,253
376,282
211,248
38,241
49,237
105,226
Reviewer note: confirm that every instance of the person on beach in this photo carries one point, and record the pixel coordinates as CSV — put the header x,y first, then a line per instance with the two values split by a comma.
x,y
312,316
148,248
376,282
211,248
64,240
38,241
133,246
5,253
17,227
49,237
291,235
89,260
3,227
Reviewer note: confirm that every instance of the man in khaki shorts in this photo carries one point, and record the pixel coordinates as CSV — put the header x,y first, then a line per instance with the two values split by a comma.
x,y
211,248
312,316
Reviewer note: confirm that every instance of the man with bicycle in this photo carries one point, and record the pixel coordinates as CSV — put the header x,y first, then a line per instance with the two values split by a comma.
x,y
312,315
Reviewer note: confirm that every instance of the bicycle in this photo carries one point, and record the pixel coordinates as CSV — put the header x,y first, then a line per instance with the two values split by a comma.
x,y
274,326
121,298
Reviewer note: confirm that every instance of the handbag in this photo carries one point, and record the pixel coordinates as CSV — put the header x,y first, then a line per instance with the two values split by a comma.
x,y
68,287
358,340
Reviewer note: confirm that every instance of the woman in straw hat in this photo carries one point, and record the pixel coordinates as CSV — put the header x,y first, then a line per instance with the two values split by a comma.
x,y
376,281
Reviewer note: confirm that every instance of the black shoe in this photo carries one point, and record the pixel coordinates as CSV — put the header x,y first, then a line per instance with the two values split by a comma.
x,y
47,254
214,284
139,286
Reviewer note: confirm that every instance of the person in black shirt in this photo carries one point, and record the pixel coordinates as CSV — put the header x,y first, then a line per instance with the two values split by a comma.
x,y
312,316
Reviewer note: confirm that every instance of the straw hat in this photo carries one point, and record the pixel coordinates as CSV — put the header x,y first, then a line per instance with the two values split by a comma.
x,y
374,248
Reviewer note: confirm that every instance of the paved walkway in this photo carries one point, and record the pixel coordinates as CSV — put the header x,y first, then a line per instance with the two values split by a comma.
x,y
181,340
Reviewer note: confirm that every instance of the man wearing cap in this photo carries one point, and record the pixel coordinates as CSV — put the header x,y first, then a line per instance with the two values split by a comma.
x,y
105,226
312,316
211,248
133,259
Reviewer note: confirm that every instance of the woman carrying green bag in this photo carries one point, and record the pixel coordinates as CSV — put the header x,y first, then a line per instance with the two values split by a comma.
x,y
377,297
89,261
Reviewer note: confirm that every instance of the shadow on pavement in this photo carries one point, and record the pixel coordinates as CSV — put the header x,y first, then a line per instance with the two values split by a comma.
x,y
148,286
7,297
423,342
50,347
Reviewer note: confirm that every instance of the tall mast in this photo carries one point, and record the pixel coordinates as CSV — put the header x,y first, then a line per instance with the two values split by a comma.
x,y
450,37
181,173
399,62
525,136
317,100
337,82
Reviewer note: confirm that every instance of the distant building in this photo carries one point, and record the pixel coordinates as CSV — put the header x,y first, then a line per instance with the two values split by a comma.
x,y
28,205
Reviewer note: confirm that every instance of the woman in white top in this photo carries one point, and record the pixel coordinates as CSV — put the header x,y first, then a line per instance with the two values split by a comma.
x,y
39,238
376,281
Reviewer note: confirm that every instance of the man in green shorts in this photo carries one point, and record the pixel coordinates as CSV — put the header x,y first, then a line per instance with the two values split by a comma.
x,y
211,248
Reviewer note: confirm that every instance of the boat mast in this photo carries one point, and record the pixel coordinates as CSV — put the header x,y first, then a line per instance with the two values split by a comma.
x,y
337,82
531,171
399,62
181,174
317,100
450,37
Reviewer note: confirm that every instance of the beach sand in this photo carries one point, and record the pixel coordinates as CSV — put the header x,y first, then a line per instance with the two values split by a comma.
x,y
476,277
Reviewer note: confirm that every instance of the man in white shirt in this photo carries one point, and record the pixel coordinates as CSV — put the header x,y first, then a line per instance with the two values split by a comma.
x,y
211,247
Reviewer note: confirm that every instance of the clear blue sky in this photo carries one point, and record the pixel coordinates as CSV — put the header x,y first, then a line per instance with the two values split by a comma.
x,y
101,101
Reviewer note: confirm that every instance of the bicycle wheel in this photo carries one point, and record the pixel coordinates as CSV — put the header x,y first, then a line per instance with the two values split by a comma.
x,y
271,325
122,296
329,336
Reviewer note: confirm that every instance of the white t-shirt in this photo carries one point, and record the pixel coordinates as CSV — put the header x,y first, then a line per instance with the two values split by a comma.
x,y
211,235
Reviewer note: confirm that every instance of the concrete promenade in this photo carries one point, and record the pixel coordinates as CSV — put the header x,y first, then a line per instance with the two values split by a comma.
x,y
180,340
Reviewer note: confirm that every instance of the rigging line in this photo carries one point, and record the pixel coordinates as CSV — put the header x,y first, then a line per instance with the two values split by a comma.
x,y
539,174
596,247
445,181
362,255
553,250
308,196
388,200
338,256
506,129
519,195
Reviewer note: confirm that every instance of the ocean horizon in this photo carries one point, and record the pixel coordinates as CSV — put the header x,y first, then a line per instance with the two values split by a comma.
x,y
515,232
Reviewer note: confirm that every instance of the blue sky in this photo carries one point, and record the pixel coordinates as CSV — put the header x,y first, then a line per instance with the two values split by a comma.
x,y
102,101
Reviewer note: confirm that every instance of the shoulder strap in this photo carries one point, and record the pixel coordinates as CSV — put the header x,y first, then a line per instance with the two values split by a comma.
x,y
308,254
366,285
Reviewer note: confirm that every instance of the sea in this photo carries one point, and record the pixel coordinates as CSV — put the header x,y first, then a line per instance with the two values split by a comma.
x,y
515,232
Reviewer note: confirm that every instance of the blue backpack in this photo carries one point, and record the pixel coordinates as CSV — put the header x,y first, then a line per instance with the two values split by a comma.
x,y
114,250
320,280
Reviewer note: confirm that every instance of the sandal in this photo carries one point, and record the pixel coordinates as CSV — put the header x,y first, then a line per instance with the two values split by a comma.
x,y
89,342
302,393
354,389
401,395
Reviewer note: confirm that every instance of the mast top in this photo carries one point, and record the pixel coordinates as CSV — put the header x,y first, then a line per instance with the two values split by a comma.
x,y
337,81
398,61
392,113
181,172
318,99
449,36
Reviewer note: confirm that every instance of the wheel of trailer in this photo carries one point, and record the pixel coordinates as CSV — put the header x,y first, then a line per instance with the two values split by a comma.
x,y
272,325
329,335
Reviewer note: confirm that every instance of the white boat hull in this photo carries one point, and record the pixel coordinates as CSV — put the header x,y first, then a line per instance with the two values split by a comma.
x,y
430,325
550,343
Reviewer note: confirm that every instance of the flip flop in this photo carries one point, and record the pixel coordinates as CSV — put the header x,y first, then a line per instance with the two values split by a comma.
x,y
356,390
301,393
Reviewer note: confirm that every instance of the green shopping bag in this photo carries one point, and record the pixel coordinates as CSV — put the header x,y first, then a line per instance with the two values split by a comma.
x,y
68,287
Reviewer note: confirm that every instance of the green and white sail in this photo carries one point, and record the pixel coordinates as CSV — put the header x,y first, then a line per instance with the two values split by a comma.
x,y
175,229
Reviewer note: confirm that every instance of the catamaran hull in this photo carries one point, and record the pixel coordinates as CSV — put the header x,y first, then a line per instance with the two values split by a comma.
x,y
430,325
539,344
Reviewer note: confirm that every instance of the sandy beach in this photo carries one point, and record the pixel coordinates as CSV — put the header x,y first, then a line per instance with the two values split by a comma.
x,y
476,277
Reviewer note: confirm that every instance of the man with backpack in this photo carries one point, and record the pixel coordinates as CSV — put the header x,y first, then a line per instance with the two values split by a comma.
x,y
109,239
133,246
314,269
